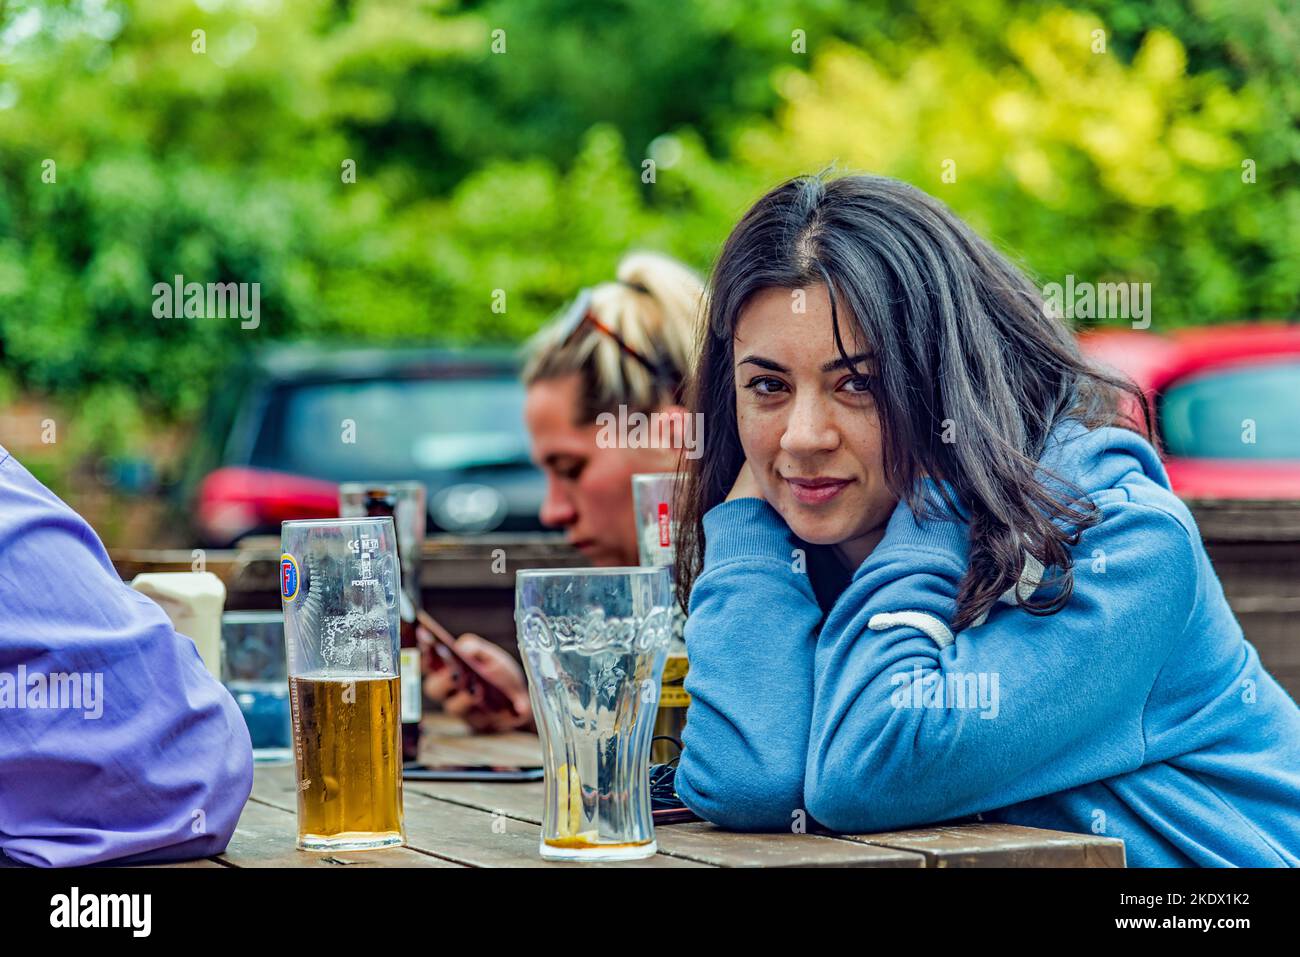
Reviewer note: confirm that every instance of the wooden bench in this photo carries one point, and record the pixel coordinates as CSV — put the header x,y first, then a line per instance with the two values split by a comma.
x,y
1254,546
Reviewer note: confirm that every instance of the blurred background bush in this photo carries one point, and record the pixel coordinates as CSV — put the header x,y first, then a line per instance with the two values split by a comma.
x,y
523,146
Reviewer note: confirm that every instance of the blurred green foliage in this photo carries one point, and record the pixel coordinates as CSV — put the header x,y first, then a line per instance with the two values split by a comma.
x,y
523,170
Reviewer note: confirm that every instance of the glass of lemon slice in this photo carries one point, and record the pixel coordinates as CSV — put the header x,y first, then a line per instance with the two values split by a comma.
x,y
594,642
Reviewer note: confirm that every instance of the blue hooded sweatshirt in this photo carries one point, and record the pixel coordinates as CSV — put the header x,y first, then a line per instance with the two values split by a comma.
x,y
1137,711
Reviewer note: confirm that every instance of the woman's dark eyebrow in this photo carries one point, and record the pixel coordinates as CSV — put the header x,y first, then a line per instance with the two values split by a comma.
x,y
763,364
828,367
847,363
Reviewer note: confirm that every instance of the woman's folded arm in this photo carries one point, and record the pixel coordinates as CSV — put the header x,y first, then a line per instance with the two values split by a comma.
x,y
910,725
750,636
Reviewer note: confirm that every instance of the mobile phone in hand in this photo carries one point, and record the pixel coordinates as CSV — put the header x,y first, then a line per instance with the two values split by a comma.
x,y
494,698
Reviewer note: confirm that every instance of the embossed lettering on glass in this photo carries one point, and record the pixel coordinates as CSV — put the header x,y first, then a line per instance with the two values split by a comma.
x,y
594,643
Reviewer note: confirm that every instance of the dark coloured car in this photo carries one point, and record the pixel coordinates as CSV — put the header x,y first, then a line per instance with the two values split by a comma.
x,y
284,432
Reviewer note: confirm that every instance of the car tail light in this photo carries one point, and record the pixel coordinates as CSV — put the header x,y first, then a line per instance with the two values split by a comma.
x,y
235,501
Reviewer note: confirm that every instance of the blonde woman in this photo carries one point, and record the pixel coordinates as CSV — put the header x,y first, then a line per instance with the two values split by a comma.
x,y
621,347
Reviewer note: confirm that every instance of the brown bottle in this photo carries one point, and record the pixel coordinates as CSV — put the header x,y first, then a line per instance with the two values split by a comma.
x,y
380,504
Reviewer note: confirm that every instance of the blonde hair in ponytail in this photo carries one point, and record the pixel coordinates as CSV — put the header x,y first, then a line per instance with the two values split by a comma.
x,y
655,306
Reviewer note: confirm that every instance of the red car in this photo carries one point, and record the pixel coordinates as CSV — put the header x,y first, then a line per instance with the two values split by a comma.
x,y
1226,404
293,422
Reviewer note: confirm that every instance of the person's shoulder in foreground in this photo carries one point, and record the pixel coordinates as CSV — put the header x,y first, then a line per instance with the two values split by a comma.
x,y
118,744
1138,711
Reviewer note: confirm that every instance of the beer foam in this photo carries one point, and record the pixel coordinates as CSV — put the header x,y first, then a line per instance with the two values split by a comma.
x,y
358,640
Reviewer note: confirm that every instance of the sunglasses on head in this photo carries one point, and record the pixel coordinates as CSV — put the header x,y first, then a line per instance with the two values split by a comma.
x,y
579,315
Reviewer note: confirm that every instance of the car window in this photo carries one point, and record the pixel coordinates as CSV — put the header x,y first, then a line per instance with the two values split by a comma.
x,y
385,427
1218,414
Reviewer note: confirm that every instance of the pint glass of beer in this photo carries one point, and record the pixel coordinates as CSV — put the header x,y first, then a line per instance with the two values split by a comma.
x,y
340,585
594,642
655,497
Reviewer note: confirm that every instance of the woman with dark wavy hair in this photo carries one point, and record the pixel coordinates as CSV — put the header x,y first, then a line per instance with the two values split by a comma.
x,y
934,565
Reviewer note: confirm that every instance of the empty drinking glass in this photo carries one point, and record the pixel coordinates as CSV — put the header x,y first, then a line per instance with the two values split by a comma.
x,y
593,643
253,671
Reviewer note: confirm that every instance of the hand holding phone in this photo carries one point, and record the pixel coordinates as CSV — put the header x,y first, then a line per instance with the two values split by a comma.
x,y
474,679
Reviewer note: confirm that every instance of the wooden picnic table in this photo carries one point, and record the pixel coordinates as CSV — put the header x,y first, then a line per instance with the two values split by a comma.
x,y
488,824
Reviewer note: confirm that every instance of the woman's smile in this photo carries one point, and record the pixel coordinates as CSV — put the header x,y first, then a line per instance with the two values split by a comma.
x,y
818,490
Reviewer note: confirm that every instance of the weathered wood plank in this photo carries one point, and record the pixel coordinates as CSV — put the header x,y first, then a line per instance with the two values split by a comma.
x,y
461,833
203,862
491,751
963,845
198,862
1002,845
482,839
493,824
522,800
449,741
266,837
1257,569
704,842
696,840
447,561
276,785
1245,520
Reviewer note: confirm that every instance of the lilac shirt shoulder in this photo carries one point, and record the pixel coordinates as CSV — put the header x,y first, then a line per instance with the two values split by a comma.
x,y
116,744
